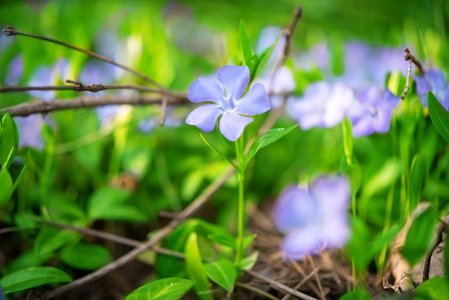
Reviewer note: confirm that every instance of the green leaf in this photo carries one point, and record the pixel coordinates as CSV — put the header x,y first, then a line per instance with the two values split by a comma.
x,y
418,174
108,203
167,288
439,115
247,53
32,277
6,187
389,173
22,172
222,272
356,295
223,239
347,140
265,139
219,153
9,141
86,256
51,239
432,289
419,237
265,56
249,261
195,269
248,240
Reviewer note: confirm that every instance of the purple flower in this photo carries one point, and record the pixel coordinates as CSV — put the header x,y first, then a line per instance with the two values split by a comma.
x,y
323,105
228,102
434,81
15,71
30,128
372,112
313,219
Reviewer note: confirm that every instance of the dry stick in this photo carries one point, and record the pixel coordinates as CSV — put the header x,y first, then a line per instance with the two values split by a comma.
x,y
78,87
408,56
317,278
280,286
133,254
256,290
10,31
288,32
426,269
43,107
305,279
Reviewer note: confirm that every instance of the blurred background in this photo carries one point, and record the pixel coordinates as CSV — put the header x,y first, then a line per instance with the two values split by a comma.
x,y
115,169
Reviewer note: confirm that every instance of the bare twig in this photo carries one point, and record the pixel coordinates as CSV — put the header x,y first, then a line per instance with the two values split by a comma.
x,y
280,286
10,31
407,82
409,57
78,87
256,290
305,279
26,109
163,110
288,32
133,254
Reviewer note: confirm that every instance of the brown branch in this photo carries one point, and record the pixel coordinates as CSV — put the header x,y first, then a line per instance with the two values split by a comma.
x,y
280,286
288,32
78,87
10,31
43,107
409,57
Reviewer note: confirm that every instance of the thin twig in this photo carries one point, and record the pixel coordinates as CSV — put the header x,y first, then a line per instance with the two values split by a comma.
x,y
288,33
78,87
163,110
43,107
10,31
409,57
305,279
280,286
256,290
133,254
407,82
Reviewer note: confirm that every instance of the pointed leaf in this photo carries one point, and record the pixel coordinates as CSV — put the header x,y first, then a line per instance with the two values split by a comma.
x,y
248,240
9,141
167,288
225,240
247,53
222,272
195,268
249,261
347,139
419,237
265,139
265,56
219,153
5,187
32,277
439,115
22,172
86,256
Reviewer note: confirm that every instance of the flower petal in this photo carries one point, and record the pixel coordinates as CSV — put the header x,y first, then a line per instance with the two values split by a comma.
x,y
205,89
204,117
364,126
254,102
336,232
302,242
389,101
232,125
293,209
331,193
235,79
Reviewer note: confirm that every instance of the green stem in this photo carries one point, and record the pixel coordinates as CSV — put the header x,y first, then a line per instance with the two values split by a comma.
x,y
241,200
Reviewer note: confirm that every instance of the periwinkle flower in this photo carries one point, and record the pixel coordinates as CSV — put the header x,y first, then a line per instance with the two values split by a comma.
x,y
30,128
313,219
15,71
228,101
434,81
322,105
372,112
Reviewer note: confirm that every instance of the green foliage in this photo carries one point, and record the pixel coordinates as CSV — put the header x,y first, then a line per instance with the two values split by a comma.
x,y
6,186
86,256
32,277
432,289
439,115
167,288
356,295
222,272
8,142
419,237
195,268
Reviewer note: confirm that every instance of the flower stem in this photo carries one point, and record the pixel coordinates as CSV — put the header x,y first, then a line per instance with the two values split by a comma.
x,y
241,200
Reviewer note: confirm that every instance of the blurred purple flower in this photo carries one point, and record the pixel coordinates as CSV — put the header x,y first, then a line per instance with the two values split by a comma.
x,y
228,102
434,81
322,105
372,112
283,82
15,71
367,65
46,76
316,56
30,128
172,119
313,219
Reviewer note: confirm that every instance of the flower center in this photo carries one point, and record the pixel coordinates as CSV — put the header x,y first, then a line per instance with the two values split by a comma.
x,y
227,103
